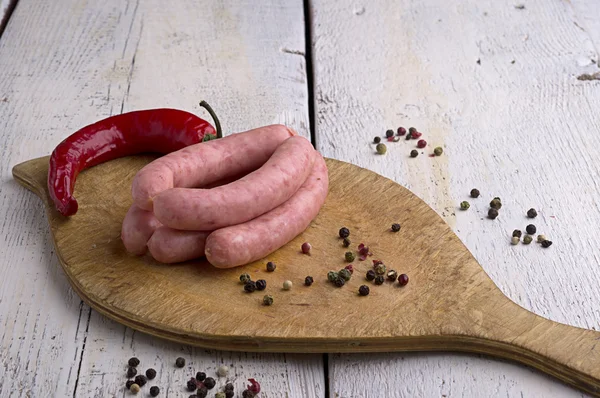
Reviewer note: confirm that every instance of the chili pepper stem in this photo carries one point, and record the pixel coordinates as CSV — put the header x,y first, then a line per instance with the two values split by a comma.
x,y
210,110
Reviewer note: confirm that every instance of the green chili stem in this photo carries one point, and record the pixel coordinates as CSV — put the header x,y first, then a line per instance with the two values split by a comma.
x,y
210,110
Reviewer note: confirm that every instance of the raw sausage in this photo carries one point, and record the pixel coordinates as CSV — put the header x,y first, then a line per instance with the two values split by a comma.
x,y
255,239
138,226
242,200
207,162
173,246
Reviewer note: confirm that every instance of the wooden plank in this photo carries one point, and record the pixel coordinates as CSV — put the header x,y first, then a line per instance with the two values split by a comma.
x,y
525,131
6,6
66,64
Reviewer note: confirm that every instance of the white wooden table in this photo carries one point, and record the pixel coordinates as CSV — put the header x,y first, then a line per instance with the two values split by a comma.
x,y
494,84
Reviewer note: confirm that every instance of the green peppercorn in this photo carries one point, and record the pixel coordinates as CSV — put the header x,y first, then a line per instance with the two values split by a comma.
x,y
131,372
379,279
345,274
271,266
134,388
474,193
332,276
492,214
546,244
527,239
350,257
220,394
371,275
364,290
381,149
377,140
532,213
245,278
346,242
154,391
268,300
380,269
308,281
517,233
438,151
250,287
392,275
414,153
395,227
344,232
496,204
464,205
531,229
339,282
389,133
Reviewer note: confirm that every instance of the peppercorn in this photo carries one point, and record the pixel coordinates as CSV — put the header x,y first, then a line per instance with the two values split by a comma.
x,y
134,388
339,282
306,248
271,266
514,240
140,380
438,151
245,278
202,392
308,281
364,290
403,279
229,394
380,269
527,239
416,135
395,227
496,204
412,130
133,362
222,370
421,144
531,229
464,205
131,372
180,362
346,242
414,153
492,214
389,133
250,286
129,383
377,140
229,387
401,131
541,238
517,233
546,243
381,149
350,257
371,275
268,300
248,394
392,275
408,136
220,394
345,274
154,391
344,232
474,193
200,376
531,213
209,383
261,284
379,279
150,374
287,285
332,276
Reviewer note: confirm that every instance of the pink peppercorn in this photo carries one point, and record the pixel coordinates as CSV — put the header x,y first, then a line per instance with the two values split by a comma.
x,y
403,279
416,135
401,131
421,144
350,268
306,248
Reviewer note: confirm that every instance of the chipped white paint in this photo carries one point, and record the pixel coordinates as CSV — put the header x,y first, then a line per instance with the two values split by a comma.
x,y
526,131
65,64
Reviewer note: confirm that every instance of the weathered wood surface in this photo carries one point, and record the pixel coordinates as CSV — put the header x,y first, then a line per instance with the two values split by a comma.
x,y
524,131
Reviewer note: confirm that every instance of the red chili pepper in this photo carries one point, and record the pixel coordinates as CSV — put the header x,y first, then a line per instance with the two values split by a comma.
x,y
152,130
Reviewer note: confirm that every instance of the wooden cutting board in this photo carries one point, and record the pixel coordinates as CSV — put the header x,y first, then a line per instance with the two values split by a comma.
x,y
449,304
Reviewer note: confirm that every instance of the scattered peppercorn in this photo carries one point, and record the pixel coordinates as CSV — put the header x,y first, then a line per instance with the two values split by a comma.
x,y
254,386
416,135
339,282
414,153
134,362
438,151
308,280
134,388
377,140
268,300
344,232
474,193
222,370
180,362
381,149
496,204
220,394
514,240
200,376
346,242
401,131
408,136
154,391
412,130
287,285
389,133
250,286
150,374
248,394
395,227
306,248
202,392
350,257
379,279
229,387
371,275
531,229
245,278
546,243
541,238
392,275
380,269
129,383
464,205
492,214
421,144
271,266
350,268
532,213
403,279
261,284
229,394
140,380
517,233
364,290
131,372
209,383
345,274
332,276
527,239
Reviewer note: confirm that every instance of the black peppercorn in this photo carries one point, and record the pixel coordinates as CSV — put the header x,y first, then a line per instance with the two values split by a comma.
x,y
140,380
414,153
346,242
396,227
129,383
496,204
180,362
517,233
364,290
194,396
492,214
202,392
209,383
131,372
339,281
271,266
531,213
546,243
389,133
154,391
228,387
229,394
261,284
531,229
200,376
151,374
344,232
474,193
379,279
412,130
371,275
134,362
248,394
308,280
250,286
377,140
391,275
192,385
408,136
